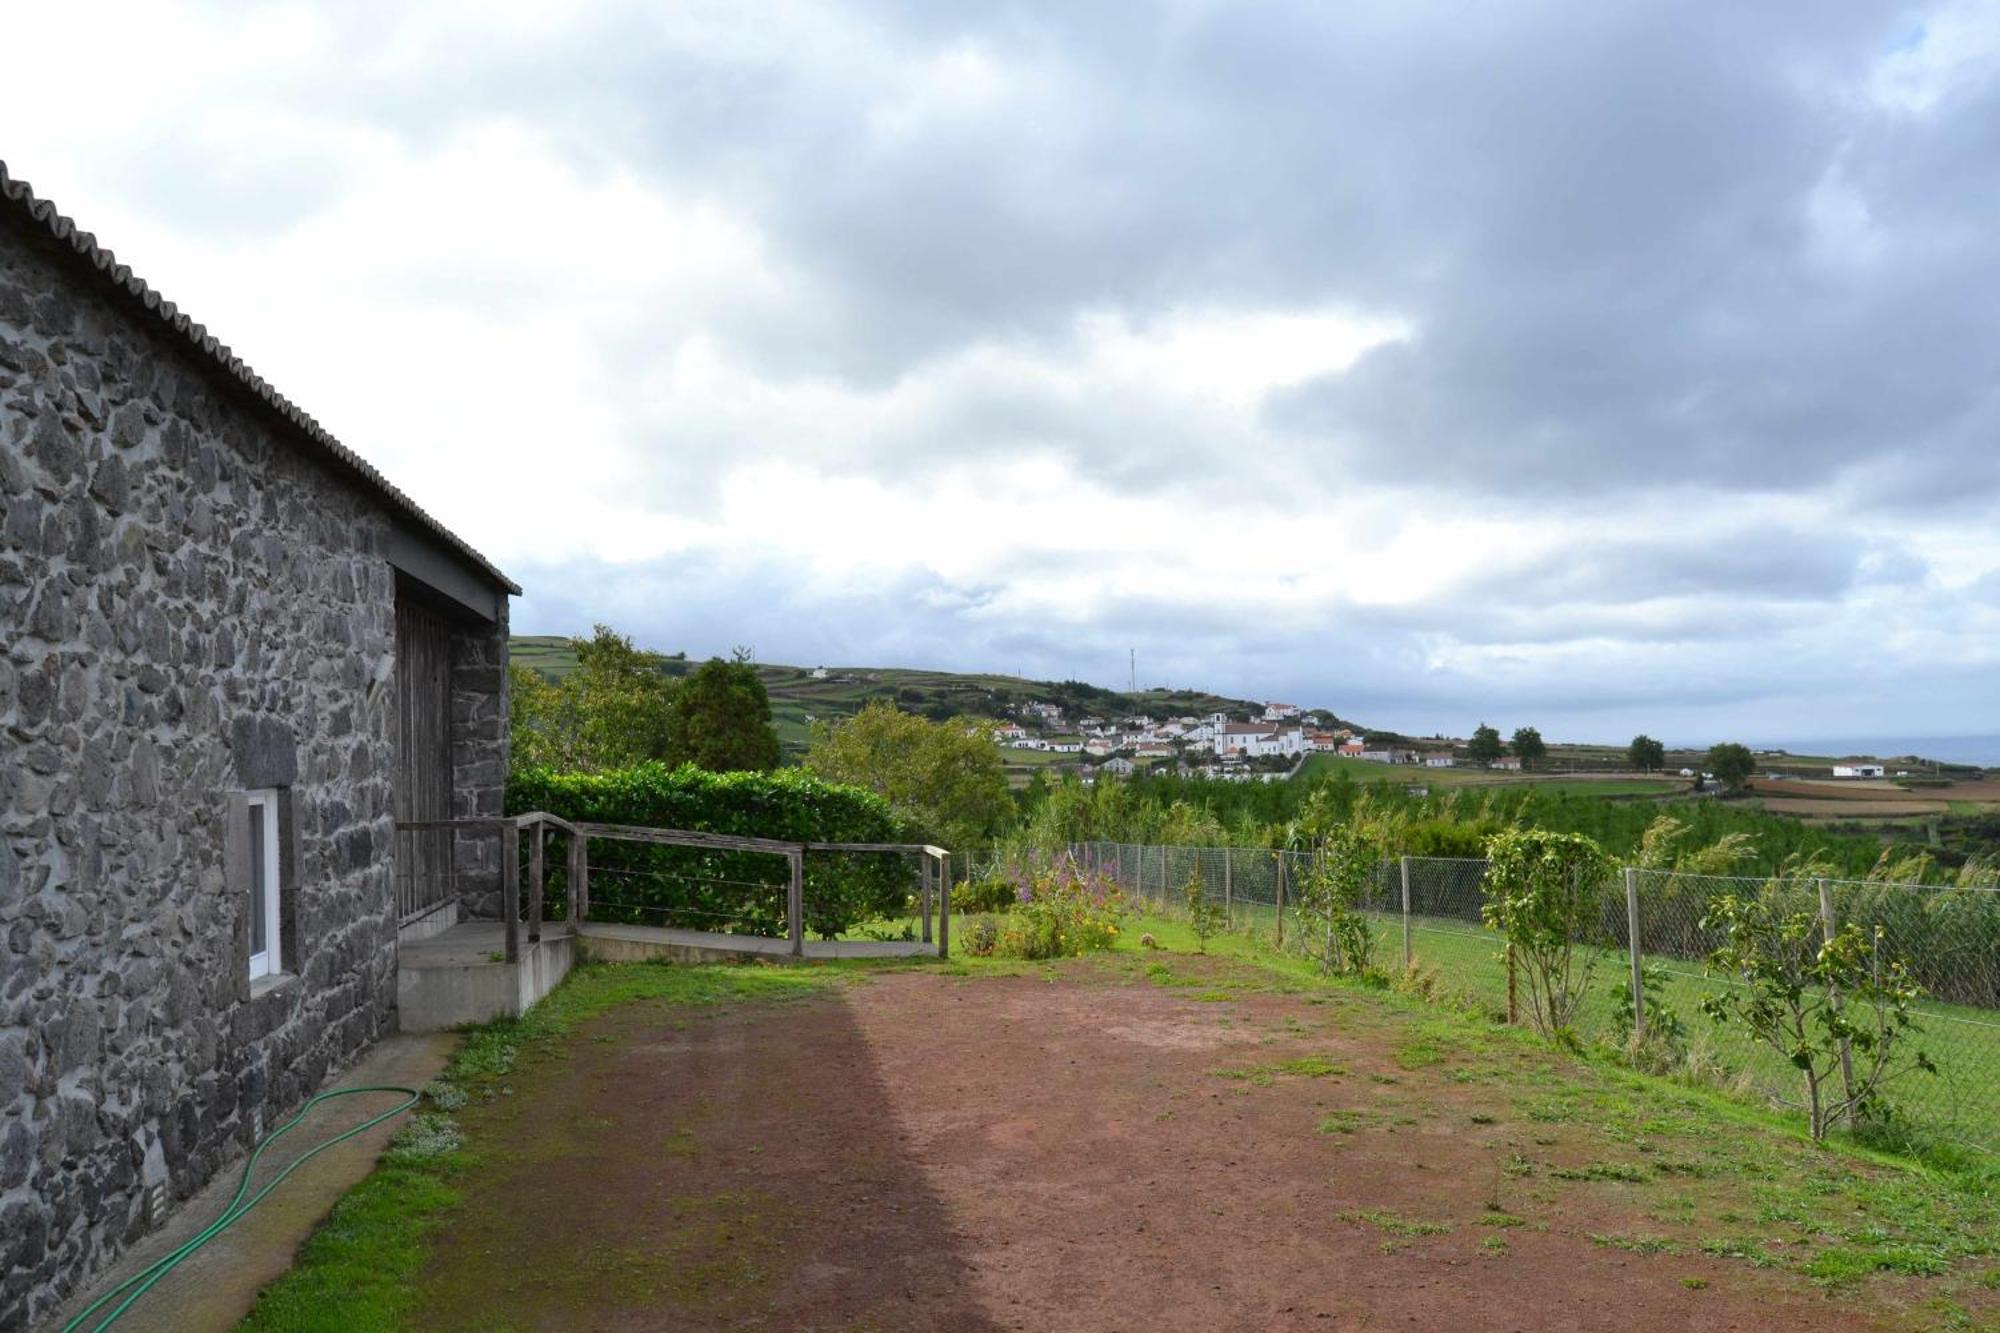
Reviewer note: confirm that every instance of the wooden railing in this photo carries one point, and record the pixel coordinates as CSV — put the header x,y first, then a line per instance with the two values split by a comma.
x,y
934,869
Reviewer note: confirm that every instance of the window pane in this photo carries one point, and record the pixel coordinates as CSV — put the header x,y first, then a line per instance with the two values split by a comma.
x,y
258,932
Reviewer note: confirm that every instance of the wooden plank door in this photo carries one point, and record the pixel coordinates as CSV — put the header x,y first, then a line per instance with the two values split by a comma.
x,y
423,756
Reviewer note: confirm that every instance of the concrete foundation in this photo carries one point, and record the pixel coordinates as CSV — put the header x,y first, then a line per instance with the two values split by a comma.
x,y
459,977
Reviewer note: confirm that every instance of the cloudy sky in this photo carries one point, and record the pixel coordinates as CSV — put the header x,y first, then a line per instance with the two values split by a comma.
x,y
1602,367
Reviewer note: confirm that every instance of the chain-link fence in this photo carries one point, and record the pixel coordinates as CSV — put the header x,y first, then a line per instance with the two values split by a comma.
x,y
1426,913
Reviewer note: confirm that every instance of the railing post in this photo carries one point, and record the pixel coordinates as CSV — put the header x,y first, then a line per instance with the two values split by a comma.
x,y
536,875
1632,943
944,905
1228,911
1828,929
1408,956
925,875
510,887
795,903
579,882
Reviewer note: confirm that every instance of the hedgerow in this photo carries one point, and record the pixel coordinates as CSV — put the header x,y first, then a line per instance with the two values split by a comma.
x,y
740,892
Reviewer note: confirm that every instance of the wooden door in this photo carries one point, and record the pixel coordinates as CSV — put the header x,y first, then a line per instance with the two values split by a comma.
x,y
423,756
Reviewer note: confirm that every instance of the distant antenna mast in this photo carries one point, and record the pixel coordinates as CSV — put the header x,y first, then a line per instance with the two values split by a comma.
x,y
1133,685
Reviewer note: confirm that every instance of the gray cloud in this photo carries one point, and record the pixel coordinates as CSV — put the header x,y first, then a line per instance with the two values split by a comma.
x,y
1658,266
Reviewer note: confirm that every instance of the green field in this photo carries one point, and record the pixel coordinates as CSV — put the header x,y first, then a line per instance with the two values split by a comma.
x,y
1366,770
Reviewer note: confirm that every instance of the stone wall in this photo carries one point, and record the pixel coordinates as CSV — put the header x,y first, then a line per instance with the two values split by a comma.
x,y
190,605
479,754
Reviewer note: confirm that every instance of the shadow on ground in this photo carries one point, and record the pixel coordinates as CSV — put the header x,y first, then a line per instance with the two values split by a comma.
x,y
735,1167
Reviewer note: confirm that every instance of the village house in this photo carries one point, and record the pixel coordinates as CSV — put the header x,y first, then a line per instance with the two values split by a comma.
x,y
1280,712
232,657
1440,759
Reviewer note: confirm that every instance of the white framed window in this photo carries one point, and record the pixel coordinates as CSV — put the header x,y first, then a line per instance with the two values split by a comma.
x,y
263,884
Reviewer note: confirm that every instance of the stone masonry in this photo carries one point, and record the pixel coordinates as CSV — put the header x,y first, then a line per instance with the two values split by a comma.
x,y
191,605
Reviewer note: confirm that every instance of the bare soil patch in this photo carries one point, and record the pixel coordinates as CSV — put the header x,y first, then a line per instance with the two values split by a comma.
x,y
1109,1144
1855,809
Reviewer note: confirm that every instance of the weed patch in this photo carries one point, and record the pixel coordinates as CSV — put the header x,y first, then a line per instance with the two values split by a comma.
x,y
1393,1223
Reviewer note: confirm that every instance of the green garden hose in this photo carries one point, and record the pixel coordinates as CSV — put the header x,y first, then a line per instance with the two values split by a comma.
x,y
143,1280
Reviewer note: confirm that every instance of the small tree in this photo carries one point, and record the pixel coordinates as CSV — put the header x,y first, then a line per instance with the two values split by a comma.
x,y
1646,754
1545,892
1830,1007
722,720
615,709
1204,916
1329,895
945,777
1732,764
1528,746
1485,746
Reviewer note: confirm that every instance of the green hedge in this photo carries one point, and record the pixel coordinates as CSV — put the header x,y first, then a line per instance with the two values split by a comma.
x,y
738,892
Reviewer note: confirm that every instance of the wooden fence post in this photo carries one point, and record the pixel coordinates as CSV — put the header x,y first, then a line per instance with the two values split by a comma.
x,y
1828,929
579,882
944,905
537,874
795,903
1408,956
1632,942
924,876
510,887
1228,896
1281,899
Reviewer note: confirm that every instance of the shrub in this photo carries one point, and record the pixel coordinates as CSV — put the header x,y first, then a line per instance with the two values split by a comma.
x,y
1065,914
1331,926
696,888
992,894
1545,891
1205,918
979,936
1665,1043
1836,1009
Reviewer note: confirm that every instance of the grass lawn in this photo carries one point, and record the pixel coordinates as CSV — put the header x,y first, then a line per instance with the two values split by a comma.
x,y
1960,1103
970,1144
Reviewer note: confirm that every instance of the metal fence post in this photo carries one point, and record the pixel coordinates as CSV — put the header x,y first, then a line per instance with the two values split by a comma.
x,y
1408,957
1632,947
1828,929
795,903
1228,909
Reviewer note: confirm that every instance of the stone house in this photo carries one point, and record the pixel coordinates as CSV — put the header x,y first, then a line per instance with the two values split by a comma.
x,y
232,656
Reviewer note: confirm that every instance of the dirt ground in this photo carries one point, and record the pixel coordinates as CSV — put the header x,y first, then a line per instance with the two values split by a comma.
x,y
1093,1146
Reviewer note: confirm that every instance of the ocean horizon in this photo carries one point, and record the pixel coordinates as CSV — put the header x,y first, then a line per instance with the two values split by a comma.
x,y
1981,750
